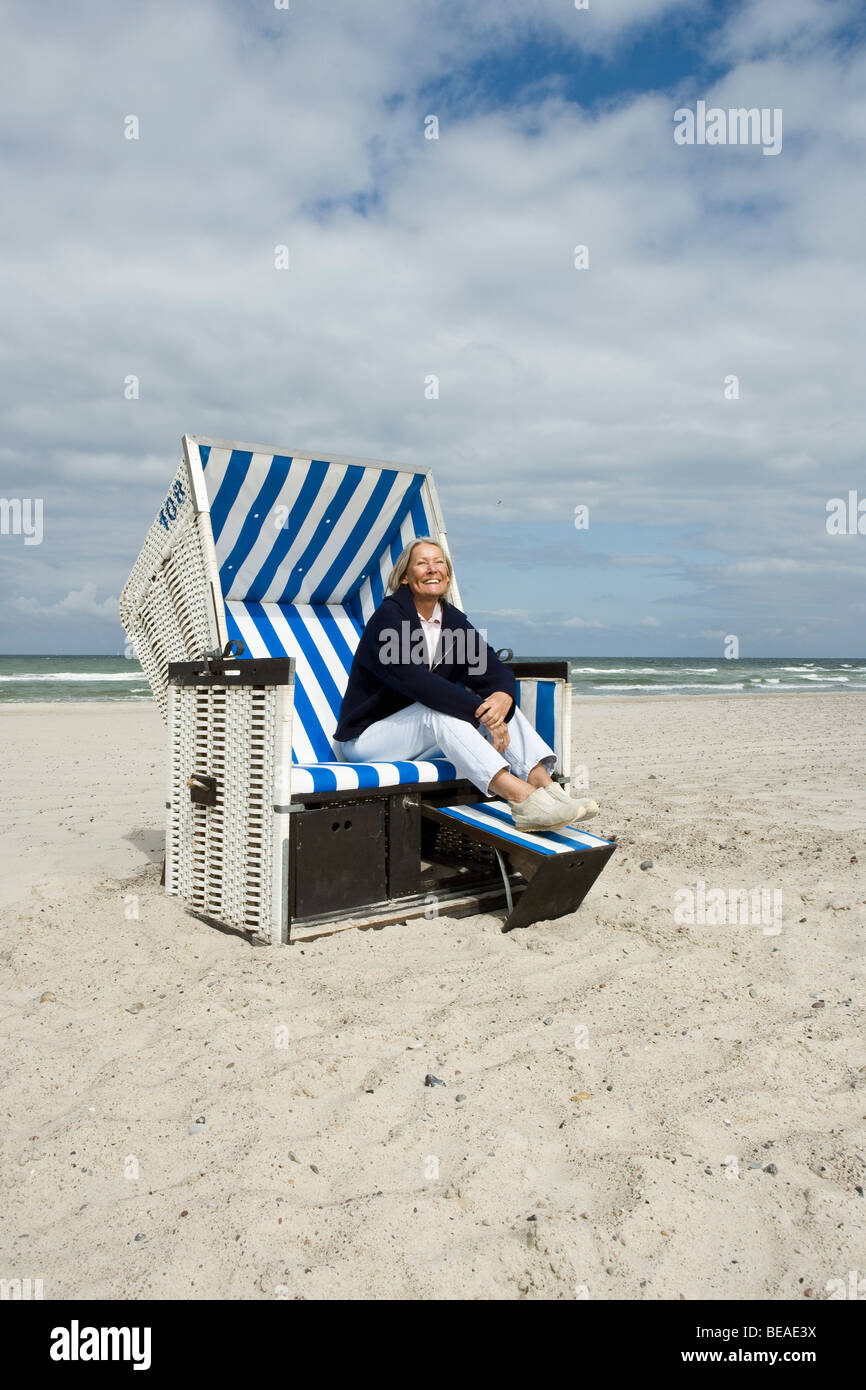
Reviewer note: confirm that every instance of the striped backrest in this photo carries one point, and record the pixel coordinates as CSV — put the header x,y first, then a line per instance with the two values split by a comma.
x,y
304,548
322,638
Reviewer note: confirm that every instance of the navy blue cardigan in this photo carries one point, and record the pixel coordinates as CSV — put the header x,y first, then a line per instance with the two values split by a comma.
x,y
378,688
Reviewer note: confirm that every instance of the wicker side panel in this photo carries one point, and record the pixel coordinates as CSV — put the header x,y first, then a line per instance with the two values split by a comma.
x,y
223,859
166,606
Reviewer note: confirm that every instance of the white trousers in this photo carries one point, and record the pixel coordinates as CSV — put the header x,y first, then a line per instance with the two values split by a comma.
x,y
418,733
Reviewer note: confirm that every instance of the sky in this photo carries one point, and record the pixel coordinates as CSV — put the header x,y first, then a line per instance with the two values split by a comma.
x,y
695,383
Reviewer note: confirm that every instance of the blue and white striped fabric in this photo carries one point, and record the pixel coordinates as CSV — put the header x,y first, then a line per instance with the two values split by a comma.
x,y
308,531
541,702
341,777
322,638
304,548
495,816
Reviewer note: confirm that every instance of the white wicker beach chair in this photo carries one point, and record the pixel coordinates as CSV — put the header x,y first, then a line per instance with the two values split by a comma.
x,y
245,607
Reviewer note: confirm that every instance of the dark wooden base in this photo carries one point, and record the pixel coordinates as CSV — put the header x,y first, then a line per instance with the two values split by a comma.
x,y
367,862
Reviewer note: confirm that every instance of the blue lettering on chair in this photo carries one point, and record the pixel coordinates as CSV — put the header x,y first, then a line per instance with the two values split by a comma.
x,y
172,503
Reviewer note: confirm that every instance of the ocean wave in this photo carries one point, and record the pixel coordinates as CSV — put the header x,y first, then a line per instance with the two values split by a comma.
x,y
643,670
54,676
52,699
678,685
771,686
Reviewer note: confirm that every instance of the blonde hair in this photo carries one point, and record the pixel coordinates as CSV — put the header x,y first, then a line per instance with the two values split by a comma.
x,y
401,569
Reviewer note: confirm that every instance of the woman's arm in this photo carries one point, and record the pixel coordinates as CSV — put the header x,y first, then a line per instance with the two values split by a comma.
x,y
490,676
412,679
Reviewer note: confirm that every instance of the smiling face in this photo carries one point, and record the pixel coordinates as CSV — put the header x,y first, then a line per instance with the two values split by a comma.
x,y
427,575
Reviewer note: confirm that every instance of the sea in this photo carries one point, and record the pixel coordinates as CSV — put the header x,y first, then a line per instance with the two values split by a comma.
x,y
27,679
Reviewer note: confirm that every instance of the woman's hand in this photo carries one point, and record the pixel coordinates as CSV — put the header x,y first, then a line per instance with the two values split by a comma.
x,y
493,710
500,738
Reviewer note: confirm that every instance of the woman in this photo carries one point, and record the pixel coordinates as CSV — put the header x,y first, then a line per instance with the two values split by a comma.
x,y
414,689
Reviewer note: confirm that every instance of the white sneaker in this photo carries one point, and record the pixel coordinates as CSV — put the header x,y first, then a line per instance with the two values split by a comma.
x,y
580,810
538,812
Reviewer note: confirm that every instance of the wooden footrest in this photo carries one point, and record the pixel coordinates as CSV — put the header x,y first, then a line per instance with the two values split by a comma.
x,y
560,866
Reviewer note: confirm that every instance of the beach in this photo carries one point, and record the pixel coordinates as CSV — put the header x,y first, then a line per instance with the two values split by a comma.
x,y
643,1100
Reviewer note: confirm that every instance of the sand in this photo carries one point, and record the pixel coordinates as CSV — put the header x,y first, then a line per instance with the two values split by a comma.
x,y
653,1108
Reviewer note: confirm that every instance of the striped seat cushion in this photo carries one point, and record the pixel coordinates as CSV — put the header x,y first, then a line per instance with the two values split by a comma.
x,y
495,817
341,777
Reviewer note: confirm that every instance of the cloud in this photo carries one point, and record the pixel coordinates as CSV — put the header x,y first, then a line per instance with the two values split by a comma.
x,y
647,561
796,28
77,603
411,257
520,615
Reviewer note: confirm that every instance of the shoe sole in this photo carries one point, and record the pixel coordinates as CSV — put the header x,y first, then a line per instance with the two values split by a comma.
x,y
541,830
535,828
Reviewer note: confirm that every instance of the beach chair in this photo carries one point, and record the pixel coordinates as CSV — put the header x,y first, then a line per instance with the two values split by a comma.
x,y
245,607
